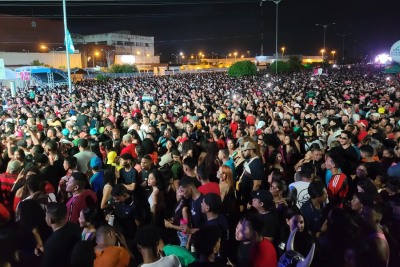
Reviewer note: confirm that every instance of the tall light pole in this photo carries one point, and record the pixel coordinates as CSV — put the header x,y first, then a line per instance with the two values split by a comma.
x,y
108,53
283,51
95,54
325,26
262,28
333,56
276,31
343,36
322,54
235,54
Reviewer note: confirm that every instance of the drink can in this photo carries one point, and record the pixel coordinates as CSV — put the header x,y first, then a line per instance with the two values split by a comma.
x,y
111,220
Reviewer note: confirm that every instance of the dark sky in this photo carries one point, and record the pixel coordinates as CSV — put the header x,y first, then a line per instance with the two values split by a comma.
x,y
224,26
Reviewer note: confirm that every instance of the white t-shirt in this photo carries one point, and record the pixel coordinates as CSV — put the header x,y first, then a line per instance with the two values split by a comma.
x,y
302,192
167,261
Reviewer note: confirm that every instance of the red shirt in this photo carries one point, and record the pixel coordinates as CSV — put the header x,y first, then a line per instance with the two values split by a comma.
x,y
77,203
361,135
6,183
210,187
263,254
337,189
234,126
129,149
250,120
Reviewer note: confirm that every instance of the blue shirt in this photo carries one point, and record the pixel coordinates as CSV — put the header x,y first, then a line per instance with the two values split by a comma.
x,y
97,181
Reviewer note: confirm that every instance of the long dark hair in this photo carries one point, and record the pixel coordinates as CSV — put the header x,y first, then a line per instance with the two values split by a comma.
x,y
160,180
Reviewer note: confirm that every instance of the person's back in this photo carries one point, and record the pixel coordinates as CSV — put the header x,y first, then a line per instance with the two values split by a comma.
x,y
83,158
300,190
58,247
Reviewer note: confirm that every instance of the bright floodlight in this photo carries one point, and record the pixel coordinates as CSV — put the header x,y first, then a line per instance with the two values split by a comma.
x,y
383,59
128,59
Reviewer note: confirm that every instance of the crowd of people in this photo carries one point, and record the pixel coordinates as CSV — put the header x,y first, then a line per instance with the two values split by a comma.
x,y
203,170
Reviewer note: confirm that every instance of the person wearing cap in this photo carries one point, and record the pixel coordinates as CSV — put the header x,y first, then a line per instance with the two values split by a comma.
x,y
362,127
97,179
253,173
81,197
263,202
7,181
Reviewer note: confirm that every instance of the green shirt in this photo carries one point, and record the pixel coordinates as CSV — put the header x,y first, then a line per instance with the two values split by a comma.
x,y
184,255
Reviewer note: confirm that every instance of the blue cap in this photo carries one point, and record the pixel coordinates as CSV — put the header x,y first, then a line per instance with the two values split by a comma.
x,y
93,131
65,132
95,162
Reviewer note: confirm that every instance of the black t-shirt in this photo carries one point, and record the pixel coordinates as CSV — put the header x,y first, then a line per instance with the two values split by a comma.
x,y
271,224
374,169
52,175
125,215
350,160
57,249
197,217
253,171
81,120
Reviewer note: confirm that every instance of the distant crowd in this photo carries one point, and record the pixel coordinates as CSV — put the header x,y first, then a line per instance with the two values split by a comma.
x,y
203,170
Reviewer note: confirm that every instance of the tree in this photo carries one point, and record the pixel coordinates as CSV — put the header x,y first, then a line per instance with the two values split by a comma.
x,y
283,67
36,62
242,68
295,64
102,77
124,68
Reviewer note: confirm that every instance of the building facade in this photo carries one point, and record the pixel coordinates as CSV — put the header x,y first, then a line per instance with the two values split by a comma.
x,y
119,43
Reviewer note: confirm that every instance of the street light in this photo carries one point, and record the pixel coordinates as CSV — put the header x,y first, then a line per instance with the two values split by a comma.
x,y
276,31
325,26
235,54
108,53
95,54
322,53
333,56
52,50
283,51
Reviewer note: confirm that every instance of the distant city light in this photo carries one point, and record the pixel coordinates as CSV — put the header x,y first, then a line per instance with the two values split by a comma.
x,y
383,59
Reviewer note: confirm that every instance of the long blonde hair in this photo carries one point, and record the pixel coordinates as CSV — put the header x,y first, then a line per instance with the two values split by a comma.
x,y
227,175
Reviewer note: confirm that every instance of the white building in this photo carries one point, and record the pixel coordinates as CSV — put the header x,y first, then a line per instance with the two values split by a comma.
x,y
124,43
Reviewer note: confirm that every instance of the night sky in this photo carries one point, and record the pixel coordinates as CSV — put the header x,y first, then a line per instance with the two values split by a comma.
x,y
226,26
